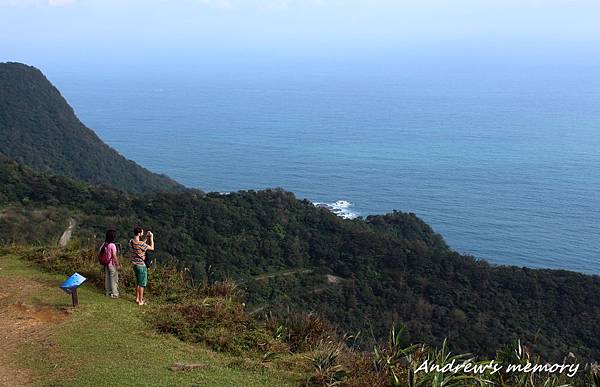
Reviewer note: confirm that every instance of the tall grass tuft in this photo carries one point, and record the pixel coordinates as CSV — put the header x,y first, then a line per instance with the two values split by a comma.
x,y
220,323
227,288
301,331
327,370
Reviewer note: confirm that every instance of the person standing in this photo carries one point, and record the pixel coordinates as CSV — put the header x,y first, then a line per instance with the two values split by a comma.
x,y
138,249
111,269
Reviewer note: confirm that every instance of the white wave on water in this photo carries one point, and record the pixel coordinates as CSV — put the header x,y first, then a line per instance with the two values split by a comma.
x,y
341,208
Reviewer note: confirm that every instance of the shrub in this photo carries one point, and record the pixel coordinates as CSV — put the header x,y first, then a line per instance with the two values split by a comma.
x,y
303,332
220,323
327,370
226,289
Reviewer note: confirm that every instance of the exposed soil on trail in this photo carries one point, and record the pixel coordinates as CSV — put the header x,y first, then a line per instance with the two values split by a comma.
x,y
288,273
22,324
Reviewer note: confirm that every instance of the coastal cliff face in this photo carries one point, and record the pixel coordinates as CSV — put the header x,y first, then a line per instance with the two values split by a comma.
x,y
362,274
38,128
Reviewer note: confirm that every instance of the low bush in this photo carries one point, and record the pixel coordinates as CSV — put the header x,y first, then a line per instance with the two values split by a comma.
x,y
327,370
302,332
227,288
218,322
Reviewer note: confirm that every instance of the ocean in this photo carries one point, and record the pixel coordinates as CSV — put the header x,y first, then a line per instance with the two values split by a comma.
x,y
506,166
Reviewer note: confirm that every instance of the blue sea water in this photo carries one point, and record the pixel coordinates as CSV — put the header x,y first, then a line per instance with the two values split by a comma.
x,y
505,166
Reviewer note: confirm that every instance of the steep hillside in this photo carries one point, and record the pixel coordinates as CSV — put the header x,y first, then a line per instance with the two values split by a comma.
x,y
38,128
360,274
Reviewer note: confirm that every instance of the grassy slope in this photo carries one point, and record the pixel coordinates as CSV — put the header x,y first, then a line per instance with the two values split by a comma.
x,y
107,342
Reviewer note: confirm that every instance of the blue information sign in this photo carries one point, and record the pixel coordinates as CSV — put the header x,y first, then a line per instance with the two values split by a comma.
x,y
72,283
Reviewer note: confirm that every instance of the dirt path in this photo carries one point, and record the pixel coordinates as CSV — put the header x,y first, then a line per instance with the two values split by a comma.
x,y
20,325
66,236
282,274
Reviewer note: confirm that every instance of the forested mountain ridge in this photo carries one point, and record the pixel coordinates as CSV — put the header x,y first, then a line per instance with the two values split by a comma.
x,y
39,128
385,269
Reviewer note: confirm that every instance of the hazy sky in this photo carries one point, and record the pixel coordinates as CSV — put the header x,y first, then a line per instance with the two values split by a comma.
x,y
147,33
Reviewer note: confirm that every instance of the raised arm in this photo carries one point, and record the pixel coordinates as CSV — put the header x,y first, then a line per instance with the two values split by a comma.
x,y
150,240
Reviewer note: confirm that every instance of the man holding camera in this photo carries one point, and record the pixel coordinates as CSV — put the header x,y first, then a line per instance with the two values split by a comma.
x,y
138,249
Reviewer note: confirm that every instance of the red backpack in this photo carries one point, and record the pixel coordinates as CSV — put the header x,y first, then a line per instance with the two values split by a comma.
x,y
103,256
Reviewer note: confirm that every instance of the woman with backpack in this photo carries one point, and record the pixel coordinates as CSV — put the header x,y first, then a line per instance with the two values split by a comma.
x,y
108,257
